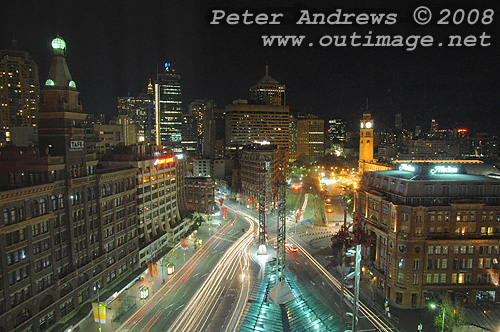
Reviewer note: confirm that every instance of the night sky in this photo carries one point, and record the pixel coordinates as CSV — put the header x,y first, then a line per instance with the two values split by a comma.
x,y
114,47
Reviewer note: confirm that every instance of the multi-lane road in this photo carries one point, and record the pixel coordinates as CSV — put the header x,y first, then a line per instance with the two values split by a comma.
x,y
189,300
211,290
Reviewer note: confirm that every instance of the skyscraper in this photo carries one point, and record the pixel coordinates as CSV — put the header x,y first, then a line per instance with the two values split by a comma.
x,y
336,130
19,89
247,123
203,111
268,91
311,138
140,110
168,108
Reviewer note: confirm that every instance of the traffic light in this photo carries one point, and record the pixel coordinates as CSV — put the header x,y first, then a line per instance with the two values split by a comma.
x,y
386,302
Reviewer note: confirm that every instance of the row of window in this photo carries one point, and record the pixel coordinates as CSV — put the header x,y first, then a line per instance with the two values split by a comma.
x,y
431,250
38,207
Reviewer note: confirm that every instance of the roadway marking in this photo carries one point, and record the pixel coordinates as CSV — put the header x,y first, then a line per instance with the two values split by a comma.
x,y
171,304
179,307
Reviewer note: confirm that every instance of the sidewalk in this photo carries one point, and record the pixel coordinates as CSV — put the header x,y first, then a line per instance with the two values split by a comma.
x,y
121,306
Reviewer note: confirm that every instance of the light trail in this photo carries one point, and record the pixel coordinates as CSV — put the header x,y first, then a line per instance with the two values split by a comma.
x,y
182,275
204,303
370,315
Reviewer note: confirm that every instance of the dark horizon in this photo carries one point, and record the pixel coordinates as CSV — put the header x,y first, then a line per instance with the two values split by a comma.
x,y
113,50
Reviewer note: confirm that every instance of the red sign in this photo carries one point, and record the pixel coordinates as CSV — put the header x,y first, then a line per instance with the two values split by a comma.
x,y
224,211
221,201
184,243
165,161
153,269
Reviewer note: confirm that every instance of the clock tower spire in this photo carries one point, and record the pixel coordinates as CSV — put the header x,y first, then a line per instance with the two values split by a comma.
x,y
365,141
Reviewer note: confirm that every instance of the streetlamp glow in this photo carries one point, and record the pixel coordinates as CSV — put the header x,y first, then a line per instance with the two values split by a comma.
x,y
434,306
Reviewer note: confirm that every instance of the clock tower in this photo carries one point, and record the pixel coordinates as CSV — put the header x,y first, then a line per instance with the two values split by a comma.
x,y
365,141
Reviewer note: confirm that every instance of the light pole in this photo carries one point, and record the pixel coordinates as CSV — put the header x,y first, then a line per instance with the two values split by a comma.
x,y
433,306
96,287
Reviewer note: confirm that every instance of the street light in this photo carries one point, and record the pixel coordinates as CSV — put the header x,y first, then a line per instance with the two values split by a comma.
x,y
96,287
434,306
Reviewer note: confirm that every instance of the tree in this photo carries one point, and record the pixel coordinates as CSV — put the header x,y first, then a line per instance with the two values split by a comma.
x,y
454,316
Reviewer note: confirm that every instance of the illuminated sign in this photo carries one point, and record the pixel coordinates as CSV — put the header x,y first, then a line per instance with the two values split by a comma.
x,y
407,167
164,161
462,130
444,169
76,145
167,64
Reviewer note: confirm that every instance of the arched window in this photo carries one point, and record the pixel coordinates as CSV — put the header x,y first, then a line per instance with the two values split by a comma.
x,y
43,206
20,214
116,187
23,316
103,191
53,200
61,201
35,208
65,289
13,215
6,216
108,189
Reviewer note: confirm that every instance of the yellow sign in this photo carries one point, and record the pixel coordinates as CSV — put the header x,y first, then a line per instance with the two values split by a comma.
x,y
99,312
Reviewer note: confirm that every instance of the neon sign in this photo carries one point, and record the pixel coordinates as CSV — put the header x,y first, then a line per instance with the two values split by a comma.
x,y
444,170
164,161
407,167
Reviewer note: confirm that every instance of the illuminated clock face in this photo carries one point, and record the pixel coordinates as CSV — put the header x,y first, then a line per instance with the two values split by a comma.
x,y
368,124
362,124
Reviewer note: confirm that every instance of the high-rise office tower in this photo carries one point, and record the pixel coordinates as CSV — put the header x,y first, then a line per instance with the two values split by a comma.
x,y
19,89
203,111
247,123
168,108
336,130
140,110
311,138
268,91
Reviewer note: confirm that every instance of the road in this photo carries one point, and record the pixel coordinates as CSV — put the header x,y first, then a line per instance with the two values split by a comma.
x,y
313,276
182,301
211,290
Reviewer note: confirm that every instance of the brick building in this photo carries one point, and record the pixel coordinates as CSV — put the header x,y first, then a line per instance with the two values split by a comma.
x,y
436,230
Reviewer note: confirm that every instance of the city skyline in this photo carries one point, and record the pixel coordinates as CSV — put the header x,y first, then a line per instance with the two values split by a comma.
x,y
114,51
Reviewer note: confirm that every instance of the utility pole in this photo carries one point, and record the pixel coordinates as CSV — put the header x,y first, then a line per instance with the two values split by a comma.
x,y
281,293
262,209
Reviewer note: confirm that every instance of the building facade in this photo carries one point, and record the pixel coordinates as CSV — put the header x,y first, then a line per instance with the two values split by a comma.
x,y
199,193
140,110
311,138
436,231
257,162
268,91
68,225
247,123
168,109
19,89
